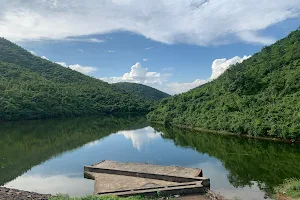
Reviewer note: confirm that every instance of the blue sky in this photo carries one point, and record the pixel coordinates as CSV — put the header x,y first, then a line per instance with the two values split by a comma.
x,y
172,50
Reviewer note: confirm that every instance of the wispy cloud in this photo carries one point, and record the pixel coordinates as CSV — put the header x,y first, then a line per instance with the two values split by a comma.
x,y
145,59
168,69
110,51
91,40
79,68
148,48
197,21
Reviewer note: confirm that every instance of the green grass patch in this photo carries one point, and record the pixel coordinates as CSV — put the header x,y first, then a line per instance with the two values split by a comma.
x,y
290,188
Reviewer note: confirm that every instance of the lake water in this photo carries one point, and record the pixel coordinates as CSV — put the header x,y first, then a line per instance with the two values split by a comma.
x,y
48,156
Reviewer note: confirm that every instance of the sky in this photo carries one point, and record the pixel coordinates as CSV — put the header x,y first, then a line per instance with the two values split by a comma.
x,y
171,45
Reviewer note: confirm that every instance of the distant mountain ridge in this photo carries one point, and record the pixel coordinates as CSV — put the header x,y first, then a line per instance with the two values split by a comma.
x,y
258,97
142,91
32,87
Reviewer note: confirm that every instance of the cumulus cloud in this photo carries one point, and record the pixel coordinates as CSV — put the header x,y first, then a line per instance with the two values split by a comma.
x,y
219,66
177,88
44,57
33,53
197,21
138,74
79,68
141,75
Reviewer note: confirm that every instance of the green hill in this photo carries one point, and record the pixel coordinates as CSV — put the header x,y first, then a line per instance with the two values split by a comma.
x,y
142,91
259,97
32,87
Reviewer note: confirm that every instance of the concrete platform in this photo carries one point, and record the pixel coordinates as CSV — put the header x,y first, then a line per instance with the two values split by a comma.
x,y
126,179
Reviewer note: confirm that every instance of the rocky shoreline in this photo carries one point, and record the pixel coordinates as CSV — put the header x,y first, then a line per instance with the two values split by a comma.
x,y
13,194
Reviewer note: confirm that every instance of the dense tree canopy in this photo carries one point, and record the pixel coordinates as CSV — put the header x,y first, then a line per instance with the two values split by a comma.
x,y
32,87
259,97
142,91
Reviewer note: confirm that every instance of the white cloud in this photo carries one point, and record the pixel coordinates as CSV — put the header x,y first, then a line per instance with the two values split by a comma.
x,y
62,64
145,59
110,51
79,68
177,88
168,69
91,40
44,57
197,21
148,48
253,37
81,50
219,66
138,74
33,53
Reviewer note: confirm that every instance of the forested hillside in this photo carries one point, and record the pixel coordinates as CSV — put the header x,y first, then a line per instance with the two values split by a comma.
x,y
142,91
259,97
32,87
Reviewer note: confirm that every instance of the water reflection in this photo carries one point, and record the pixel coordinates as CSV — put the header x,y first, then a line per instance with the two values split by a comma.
x,y
54,184
54,152
250,163
141,138
26,144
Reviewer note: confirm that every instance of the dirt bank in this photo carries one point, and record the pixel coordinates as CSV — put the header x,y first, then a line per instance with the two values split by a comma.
x,y
13,194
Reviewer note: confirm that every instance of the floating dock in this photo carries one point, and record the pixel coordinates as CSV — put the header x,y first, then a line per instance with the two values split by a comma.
x,y
126,179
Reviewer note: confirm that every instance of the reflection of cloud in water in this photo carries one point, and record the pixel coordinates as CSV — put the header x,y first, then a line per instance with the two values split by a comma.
x,y
90,144
75,186
141,137
220,184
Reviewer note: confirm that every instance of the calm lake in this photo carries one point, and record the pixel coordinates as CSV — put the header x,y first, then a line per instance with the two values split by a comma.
x,y
48,156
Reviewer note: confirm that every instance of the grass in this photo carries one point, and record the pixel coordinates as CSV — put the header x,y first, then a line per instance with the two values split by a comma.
x,y
290,188
66,197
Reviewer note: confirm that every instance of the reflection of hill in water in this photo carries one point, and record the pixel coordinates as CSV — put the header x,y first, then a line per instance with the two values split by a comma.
x,y
24,145
266,162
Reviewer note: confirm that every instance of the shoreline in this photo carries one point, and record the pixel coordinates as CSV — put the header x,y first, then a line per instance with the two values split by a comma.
x,y
15,194
227,133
